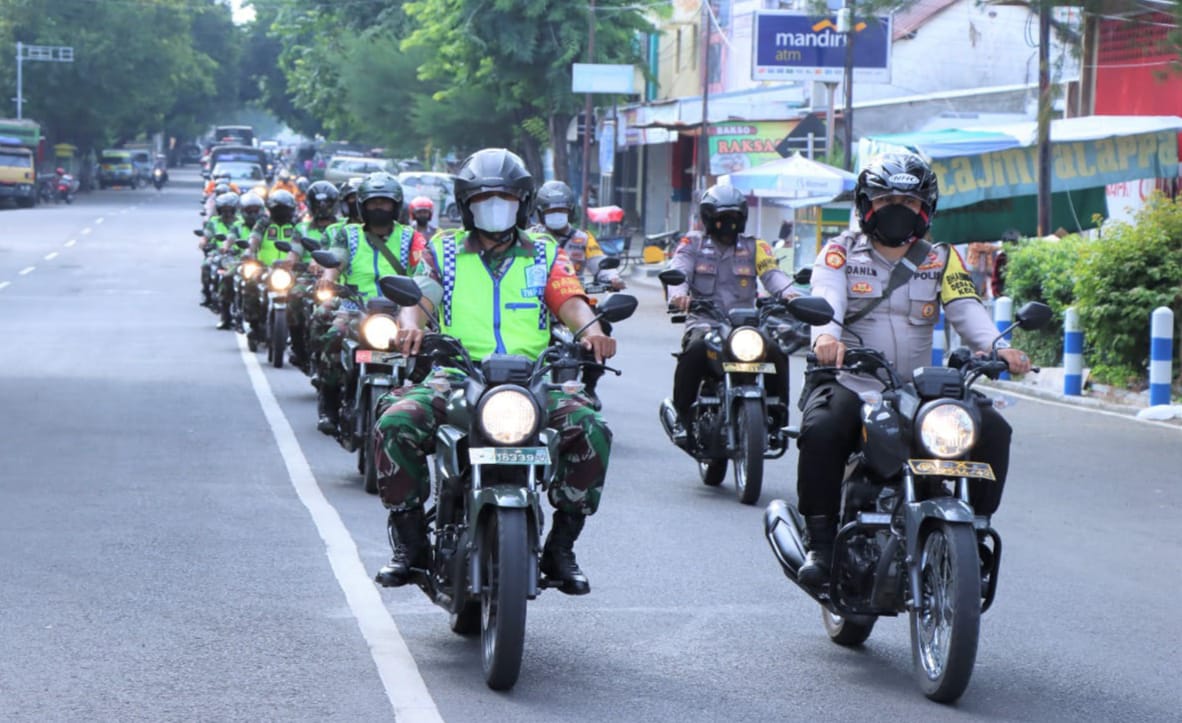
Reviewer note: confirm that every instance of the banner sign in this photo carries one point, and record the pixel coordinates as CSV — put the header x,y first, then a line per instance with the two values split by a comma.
x,y
738,146
796,46
965,180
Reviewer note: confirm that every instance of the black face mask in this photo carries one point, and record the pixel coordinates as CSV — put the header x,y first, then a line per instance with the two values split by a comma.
x,y
379,217
726,229
895,225
281,215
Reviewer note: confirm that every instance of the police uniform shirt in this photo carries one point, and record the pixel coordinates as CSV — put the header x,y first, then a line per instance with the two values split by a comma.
x,y
726,274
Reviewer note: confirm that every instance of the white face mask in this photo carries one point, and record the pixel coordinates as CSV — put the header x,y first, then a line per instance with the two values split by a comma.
x,y
556,221
494,214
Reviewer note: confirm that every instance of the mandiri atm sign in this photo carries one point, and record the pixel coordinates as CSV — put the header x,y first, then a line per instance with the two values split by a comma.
x,y
792,46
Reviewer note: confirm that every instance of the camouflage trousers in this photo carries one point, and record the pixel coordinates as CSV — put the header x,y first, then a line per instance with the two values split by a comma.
x,y
319,324
405,435
338,325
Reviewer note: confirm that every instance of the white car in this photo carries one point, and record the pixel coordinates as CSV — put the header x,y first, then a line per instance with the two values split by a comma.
x,y
439,187
240,171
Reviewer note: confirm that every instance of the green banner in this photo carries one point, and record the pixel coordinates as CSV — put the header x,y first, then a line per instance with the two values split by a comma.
x,y
739,146
966,180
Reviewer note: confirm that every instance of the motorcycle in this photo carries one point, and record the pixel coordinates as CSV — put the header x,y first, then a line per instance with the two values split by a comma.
x,y
307,302
493,459
246,281
64,189
159,178
371,370
278,282
211,265
561,333
908,539
736,418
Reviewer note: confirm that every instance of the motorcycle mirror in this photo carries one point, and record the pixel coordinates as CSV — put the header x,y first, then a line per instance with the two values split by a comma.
x,y
959,357
611,262
327,259
241,244
283,246
812,310
219,237
309,245
198,232
617,307
400,289
803,277
672,277
1034,315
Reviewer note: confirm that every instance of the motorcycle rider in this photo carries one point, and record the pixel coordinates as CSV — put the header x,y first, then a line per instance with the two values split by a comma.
x,y
421,211
278,226
226,224
378,247
722,264
895,198
284,182
322,208
506,272
251,209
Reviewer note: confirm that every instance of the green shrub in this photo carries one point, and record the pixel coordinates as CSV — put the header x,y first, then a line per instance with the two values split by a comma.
x,y
1043,270
1122,278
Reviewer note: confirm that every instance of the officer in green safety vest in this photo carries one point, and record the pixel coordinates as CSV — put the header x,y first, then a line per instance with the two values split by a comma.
x,y
327,304
280,226
224,224
322,210
493,286
379,246
250,207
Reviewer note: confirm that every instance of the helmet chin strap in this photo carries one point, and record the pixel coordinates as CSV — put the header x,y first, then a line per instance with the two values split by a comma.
x,y
500,239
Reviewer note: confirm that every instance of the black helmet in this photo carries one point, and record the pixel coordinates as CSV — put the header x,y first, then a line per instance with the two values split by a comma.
x,y
494,169
902,174
380,185
282,205
322,199
554,194
721,199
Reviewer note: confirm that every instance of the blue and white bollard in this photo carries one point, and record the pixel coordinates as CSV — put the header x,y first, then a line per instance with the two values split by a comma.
x,y
1161,355
1072,354
1003,316
938,340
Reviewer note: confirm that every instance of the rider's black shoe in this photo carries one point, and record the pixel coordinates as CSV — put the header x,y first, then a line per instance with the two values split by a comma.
x,y
822,529
408,542
328,407
558,556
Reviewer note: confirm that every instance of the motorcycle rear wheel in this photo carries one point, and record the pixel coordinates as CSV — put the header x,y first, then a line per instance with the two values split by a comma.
x,y
749,452
848,631
504,561
946,623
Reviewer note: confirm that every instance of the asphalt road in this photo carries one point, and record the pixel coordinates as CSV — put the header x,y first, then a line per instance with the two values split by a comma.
x,y
158,562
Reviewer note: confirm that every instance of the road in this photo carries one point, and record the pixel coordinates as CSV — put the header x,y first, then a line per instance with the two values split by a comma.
x,y
171,551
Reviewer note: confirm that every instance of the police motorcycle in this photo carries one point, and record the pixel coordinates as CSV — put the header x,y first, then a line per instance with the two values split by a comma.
x,y
210,263
908,539
736,418
493,459
309,301
246,281
276,283
372,368
159,178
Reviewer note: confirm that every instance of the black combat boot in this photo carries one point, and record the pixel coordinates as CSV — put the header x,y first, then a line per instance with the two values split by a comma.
x,y
822,529
408,540
226,322
328,406
558,556
299,353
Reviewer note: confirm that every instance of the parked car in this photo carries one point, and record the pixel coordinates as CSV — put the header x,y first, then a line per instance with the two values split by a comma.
x,y
342,168
116,168
439,187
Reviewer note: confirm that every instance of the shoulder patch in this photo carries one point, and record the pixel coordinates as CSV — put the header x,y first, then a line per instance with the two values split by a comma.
x,y
835,257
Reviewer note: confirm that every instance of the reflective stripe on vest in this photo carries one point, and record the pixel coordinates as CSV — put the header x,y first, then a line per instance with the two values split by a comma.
x,y
511,330
365,275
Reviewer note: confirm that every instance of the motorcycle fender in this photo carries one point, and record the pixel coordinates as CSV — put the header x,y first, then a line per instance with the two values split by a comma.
x,y
747,391
948,509
377,380
448,441
481,504
548,438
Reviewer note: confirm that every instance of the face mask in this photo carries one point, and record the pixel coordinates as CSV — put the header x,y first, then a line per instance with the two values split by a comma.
x,y
281,215
726,229
556,221
494,214
895,225
228,218
379,217
422,219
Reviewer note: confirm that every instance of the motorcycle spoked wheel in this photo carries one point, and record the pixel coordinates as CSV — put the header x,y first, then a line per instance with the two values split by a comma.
x,y
849,630
504,562
277,338
946,623
749,451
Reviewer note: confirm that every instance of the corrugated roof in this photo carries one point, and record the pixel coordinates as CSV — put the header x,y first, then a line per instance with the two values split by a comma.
x,y
909,20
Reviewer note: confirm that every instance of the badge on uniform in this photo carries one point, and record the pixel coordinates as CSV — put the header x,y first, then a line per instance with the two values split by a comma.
x,y
535,280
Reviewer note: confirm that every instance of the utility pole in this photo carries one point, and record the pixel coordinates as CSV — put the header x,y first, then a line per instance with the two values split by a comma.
x,y
1044,118
848,114
46,53
704,138
587,109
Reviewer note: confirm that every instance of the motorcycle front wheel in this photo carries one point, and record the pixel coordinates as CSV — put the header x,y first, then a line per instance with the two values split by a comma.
x,y
504,563
749,452
277,342
946,622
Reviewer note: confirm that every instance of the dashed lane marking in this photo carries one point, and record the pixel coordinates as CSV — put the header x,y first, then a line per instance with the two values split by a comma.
x,y
71,242
27,270
99,219
51,256
4,284
86,230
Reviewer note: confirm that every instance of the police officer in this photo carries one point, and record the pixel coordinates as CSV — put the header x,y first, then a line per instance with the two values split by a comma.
x,y
723,265
421,211
555,204
252,211
322,211
378,247
466,275
278,226
895,197
225,224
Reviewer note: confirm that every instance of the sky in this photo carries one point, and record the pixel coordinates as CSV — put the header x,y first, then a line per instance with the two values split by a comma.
x,y
242,14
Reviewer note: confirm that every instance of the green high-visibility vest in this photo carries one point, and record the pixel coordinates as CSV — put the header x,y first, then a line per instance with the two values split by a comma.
x,y
268,254
319,235
495,313
366,264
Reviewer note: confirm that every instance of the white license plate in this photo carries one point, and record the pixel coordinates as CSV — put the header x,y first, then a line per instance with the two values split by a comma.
x,y
367,356
749,367
509,455
951,468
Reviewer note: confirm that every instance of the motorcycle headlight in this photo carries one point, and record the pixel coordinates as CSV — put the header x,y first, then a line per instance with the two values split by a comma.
x,y
379,331
251,269
281,279
508,416
746,344
947,430
323,295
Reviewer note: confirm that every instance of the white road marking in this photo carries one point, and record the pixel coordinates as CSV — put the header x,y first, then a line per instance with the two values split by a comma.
x,y
86,230
99,219
4,284
400,676
1091,410
71,242
51,256
27,270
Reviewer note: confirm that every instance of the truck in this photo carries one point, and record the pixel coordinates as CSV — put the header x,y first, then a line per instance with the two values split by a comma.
x,y
19,142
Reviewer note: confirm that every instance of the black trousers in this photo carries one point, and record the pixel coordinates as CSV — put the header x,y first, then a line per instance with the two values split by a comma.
x,y
829,433
691,368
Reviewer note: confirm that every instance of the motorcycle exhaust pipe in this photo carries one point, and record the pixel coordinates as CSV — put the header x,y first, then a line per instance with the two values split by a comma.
x,y
783,528
668,417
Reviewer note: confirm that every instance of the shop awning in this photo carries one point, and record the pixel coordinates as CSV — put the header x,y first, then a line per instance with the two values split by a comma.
x,y
794,177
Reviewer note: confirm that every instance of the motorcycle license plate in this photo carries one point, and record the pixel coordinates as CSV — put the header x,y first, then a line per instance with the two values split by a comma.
x,y
367,356
951,468
509,455
749,367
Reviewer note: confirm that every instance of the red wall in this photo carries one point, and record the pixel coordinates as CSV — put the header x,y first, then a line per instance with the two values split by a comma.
x,y
1133,71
